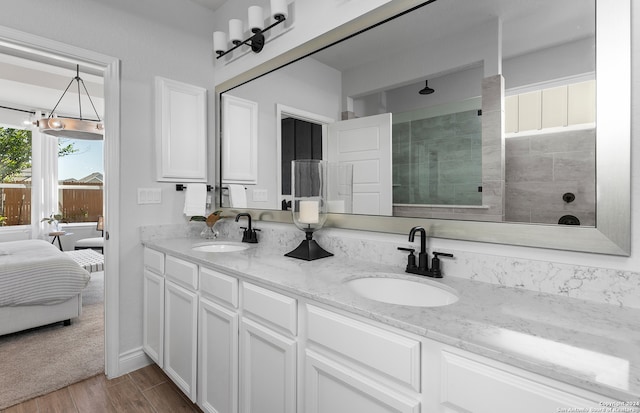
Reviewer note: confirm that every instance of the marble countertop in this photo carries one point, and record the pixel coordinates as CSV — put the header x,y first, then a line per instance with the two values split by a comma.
x,y
589,345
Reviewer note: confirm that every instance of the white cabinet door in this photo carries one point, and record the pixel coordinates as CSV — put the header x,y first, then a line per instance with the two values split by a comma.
x,y
457,381
218,358
153,316
365,143
239,141
180,328
331,387
267,370
181,128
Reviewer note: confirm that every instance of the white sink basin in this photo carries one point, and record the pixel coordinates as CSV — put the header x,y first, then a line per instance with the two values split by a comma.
x,y
220,246
403,291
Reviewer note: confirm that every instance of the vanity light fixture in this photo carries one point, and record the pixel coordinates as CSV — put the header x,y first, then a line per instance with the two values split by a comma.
x,y
75,128
279,11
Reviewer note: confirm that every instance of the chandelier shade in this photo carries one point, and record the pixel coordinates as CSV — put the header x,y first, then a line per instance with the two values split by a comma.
x,y
69,127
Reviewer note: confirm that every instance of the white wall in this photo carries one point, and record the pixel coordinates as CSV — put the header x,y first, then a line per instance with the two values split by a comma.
x,y
301,33
566,60
453,87
175,45
556,64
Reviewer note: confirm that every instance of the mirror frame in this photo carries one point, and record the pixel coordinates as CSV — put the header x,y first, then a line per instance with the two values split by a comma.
x,y
612,233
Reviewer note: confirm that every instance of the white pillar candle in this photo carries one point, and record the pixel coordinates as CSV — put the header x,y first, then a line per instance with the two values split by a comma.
x,y
235,30
279,7
219,42
256,19
309,212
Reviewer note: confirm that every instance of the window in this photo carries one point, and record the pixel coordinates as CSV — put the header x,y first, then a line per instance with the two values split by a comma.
x,y
80,179
80,183
15,176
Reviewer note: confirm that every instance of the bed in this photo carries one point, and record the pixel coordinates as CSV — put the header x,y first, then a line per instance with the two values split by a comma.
x,y
39,285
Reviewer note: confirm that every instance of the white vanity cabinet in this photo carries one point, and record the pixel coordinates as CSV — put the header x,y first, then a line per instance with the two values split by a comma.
x,y
169,317
458,381
352,366
268,351
238,347
181,324
218,342
153,305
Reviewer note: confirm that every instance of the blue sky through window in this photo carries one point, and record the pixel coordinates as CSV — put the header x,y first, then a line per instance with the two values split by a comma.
x,y
87,160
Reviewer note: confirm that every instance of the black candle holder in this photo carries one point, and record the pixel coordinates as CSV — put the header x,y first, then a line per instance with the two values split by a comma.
x,y
308,206
309,249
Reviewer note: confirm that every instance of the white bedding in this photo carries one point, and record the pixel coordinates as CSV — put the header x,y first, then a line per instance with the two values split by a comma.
x,y
34,272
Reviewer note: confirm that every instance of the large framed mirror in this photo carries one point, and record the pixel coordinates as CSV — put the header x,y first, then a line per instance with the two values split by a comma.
x,y
504,122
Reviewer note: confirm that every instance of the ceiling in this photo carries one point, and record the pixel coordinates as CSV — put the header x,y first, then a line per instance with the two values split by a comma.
x,y
28,85
566,20
210,4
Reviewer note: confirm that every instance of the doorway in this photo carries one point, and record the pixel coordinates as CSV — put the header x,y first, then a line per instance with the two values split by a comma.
x,y
43,50
315,147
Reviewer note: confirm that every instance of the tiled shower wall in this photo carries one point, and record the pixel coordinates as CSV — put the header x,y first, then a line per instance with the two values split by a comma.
x,y
541,168
438,160
487,150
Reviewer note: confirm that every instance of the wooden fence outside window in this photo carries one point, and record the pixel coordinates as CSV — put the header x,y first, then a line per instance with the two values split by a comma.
x,y
78,202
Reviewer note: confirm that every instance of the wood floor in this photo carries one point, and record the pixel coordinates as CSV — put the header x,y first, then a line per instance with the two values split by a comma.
x,y
146,390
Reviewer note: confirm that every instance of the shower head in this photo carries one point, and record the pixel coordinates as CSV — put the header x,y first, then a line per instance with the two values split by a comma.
x,y
427,90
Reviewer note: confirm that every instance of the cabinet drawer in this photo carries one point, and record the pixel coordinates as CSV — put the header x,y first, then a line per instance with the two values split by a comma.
x,y
393,355
268,306
182,272
485,386
218,286
154,260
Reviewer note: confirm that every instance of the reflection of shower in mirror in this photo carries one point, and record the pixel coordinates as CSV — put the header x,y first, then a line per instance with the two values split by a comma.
x,y
426,90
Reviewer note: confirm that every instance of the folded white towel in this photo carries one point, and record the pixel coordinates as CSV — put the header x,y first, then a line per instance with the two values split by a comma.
x,y
237,196
195,200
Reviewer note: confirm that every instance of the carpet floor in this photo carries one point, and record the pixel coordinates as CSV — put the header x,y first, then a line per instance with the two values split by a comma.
x,y
44,359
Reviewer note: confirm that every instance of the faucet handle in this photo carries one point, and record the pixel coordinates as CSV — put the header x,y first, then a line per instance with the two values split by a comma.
x,y
435,263
411,259
442,254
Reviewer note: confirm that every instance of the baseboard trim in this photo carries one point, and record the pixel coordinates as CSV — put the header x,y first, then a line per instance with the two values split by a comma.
x,y
132,360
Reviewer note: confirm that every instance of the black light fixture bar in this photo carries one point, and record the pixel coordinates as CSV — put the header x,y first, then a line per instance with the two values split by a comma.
x,y
257,40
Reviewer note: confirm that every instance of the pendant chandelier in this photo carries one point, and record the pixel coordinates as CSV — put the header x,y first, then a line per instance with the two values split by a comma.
x,y
74,128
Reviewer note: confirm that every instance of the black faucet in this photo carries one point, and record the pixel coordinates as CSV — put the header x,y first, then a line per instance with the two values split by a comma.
x,y
249,235
422,256
422,268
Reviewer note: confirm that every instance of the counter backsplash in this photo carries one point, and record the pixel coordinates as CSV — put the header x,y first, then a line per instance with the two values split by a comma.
x,y
603,285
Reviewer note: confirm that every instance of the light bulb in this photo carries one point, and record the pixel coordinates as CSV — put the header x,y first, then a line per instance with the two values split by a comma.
x,y
279,8
256,19
219,42
235,31
56,124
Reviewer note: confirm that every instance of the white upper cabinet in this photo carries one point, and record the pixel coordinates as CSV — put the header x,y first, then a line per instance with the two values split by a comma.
x,y
181,130
239,140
